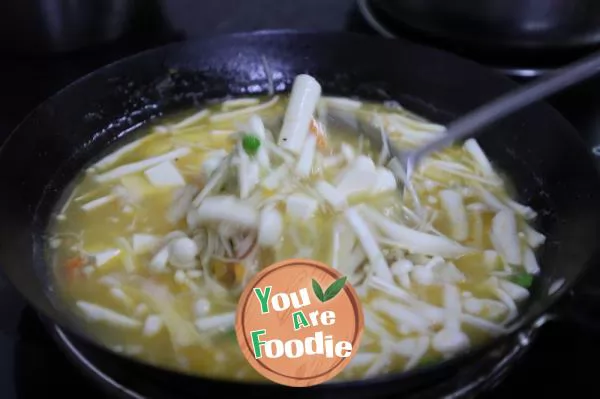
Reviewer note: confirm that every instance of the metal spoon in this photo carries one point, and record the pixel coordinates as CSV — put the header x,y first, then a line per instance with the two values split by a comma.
x,y
474,121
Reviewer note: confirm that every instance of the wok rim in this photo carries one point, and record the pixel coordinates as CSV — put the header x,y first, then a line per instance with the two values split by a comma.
x,y
112,384
522,323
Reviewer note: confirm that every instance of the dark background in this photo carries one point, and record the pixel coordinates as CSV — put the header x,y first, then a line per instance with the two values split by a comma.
x,y
565,354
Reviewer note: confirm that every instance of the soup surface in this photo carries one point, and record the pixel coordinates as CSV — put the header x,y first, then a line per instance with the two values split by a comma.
x,y
158,238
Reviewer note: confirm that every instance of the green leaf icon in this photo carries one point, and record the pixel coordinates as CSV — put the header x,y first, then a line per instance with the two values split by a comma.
x,y
318,290
331,291
334,288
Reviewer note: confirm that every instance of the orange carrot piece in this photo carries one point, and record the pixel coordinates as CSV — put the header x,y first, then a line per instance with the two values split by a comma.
x,y
75,263
318,132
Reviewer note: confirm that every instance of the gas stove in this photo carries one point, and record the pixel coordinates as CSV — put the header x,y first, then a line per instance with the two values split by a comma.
x,y
32,364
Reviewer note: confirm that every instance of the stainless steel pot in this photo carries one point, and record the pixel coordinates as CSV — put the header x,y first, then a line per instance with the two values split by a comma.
x,y
507,24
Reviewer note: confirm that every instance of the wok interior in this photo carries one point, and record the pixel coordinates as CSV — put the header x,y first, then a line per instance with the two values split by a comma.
x,y
548,165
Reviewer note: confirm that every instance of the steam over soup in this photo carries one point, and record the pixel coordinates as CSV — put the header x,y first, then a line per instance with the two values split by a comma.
x,y
158,238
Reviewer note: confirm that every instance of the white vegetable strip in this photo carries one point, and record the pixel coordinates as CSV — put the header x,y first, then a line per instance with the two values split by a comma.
x,y
221,322
362,360
158,263
461,171
373,325
331,194
274,178
368,243
307,155
420,349
496,204
143,243
300,206
424,127
453,205
401,269
413,240
490,199
335,245
483,324
405,347
490,259
152,325
114,157
401,314
141,165
128,258
396,168
478,155
354,260
270,229
360,163
383,361
515,291
279,152
432,313
521,209
98,313
215,181
121,296
347,242
212,162
533,237
343,103
244,182
530,262
239,102
190,120
103,257
227,208
506,299
384,181
385,149
165,174
110,281
98,202
181,203
257,127
346,152
451,339
493,308
244,111
504,237
390,289
453,306
301,107
182,332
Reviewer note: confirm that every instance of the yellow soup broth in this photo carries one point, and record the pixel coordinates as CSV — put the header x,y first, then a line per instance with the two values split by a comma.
x,y
106,241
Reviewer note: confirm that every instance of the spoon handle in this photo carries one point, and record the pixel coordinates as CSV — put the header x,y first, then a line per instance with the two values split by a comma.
x,y
474,121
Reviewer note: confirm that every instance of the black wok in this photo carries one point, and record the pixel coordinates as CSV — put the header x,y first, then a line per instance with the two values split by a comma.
x,y
550,167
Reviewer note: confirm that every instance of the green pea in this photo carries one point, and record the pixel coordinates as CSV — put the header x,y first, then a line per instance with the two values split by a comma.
x,y
250,144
